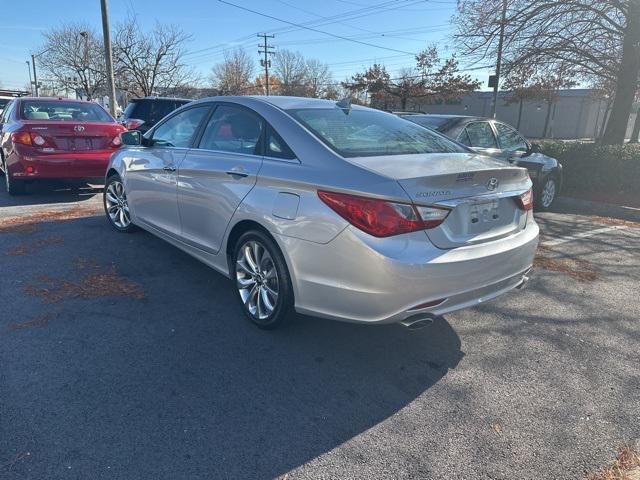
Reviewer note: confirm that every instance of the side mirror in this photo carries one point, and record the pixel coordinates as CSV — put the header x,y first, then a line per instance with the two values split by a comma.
x,y
131,137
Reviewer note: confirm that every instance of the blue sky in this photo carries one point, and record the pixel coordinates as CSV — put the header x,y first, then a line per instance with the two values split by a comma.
x,y
397,25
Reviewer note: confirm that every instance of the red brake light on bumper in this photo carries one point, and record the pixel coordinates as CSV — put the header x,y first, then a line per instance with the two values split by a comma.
x,y
382,218
133,123
525,201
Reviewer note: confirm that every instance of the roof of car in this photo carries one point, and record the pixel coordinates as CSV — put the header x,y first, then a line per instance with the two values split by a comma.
x,y
287,103
162,99
55,99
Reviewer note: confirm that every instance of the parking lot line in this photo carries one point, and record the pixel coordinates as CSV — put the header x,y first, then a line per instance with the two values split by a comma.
x,y
577,236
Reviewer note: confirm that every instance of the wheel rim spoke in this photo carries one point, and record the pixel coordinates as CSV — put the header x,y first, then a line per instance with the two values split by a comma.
x,y
257,280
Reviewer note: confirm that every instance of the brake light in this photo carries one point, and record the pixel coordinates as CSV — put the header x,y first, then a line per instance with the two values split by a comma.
x,y
382,218
30,138
116,142
23,138
133,123
525,201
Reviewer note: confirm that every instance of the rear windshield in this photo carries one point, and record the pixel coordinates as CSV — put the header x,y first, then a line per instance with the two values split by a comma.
x,y
151,110
368,133
436,123
65,111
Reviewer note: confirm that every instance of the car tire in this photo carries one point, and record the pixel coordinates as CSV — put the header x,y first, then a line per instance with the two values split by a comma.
x,y
262,279
547,193
116,208
14,187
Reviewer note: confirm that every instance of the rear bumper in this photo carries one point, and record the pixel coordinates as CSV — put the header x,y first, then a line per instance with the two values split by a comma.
x,y
359,278
91,164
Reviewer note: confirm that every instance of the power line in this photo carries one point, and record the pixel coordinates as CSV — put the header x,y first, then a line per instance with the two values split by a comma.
x,y
313,29
326,21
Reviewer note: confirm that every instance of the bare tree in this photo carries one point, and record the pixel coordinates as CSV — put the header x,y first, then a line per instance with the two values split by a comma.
x,y
233,75
319,81
73,56
149,62
291,68
596,38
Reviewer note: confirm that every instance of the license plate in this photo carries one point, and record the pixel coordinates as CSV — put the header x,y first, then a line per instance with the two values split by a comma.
x,y
484,212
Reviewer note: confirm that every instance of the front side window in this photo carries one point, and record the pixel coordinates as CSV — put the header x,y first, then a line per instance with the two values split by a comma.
x,y
481,135
510,139
232,129
368,133
179,129
63,111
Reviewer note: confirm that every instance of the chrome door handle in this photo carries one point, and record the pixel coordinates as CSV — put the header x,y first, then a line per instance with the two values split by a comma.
x,y
237,172
169,168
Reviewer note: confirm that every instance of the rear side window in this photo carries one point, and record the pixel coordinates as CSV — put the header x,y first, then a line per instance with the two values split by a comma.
x,y
138,109
63,111
275,146
232,129
510,139
481,135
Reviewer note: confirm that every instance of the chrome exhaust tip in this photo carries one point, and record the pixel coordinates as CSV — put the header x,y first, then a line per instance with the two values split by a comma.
x,y
418,322
525,279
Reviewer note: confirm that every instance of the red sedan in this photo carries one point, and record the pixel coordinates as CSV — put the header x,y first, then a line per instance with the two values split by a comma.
x,y
47,138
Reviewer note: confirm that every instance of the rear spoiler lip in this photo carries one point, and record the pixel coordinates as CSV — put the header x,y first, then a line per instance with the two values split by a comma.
x,y
480,198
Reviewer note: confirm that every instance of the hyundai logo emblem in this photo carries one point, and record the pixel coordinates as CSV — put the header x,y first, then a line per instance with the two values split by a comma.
x,y
79,128
492,184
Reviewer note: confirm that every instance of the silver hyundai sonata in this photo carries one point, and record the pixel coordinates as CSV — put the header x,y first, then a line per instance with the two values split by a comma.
x,y
325,208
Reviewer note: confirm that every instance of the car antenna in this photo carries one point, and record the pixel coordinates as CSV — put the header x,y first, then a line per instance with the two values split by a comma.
x,y
344,105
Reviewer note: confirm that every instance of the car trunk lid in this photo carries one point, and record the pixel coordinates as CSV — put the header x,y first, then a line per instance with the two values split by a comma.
x,y
66,136
481,193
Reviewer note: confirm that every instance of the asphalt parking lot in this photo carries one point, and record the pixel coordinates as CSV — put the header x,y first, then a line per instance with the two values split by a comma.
x,y
123,358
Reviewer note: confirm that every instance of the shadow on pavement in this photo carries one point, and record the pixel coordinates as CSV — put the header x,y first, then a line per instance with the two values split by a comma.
x,y
179,384
51,191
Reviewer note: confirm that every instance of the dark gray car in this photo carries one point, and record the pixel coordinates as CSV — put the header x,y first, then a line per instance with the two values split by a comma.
x,y
499,140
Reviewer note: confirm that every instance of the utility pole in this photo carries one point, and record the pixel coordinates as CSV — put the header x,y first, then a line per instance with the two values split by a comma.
x,y
108,57
30,81
35,75
496,81
266,50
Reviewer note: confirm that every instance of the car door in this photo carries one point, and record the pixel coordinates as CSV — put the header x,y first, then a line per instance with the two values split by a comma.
x,y
218,173
479,136
151,179
512,144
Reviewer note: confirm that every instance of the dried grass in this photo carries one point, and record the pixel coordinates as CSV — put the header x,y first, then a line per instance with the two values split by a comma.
x,y
625,467
577,268
39,321
30,247
27,223
92,285
616,222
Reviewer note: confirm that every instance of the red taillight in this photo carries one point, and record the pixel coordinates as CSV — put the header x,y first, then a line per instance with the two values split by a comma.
x,y
116,142
382,218
525,201
23,138
30,138
133,123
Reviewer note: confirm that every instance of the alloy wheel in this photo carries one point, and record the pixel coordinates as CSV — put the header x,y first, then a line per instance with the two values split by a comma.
x,y
116,204
257,280
548,193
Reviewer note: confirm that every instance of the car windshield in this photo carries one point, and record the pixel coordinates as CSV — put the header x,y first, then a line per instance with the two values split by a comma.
x,y
436,123
65,111
368,133
3,103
